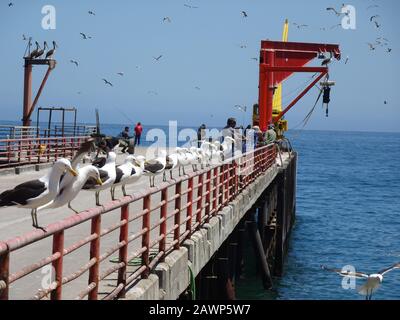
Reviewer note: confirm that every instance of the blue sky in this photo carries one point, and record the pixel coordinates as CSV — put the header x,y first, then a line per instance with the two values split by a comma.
x,y
200,48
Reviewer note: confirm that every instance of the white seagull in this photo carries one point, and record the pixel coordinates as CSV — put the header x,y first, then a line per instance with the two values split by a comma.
x,y
127,173
107,175
172,163
373,281
183,160
36,193
71,190
154,167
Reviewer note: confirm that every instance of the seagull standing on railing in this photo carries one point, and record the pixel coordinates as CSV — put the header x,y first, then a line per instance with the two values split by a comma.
x,y
172,163
107,175
36,193
129,172
71,190
373,281
155,167
183,160
70,185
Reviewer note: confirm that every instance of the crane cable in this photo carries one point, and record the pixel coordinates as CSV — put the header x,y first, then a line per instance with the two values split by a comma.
x,y
309,114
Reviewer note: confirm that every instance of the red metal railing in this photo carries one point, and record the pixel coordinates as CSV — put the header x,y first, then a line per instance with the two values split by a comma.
x,y
17,152
164,223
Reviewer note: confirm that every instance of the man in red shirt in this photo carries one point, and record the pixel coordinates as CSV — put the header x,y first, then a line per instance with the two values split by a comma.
x,y
138,133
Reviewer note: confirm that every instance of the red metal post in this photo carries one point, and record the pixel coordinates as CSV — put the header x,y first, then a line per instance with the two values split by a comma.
x,y
123,251
199,206
4,274
146,236
95,253
26,121
189,212
215,189
32,107
58,247
208,196
163,225
177,218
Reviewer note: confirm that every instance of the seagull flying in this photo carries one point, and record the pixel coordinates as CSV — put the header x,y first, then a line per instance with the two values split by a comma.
x,y
372,6
241,108
167,19
74,62
10,4
334,10
107,82
377,24
197,88
157,58
189,6
374,17
92,13
373,281
244,13
84,36
300,25
388,50
371,46
254,58
121,74
347,60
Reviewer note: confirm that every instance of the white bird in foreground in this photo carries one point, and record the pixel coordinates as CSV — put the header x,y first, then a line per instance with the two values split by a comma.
x,y
107,175
71,190
36,193
373,281
156,166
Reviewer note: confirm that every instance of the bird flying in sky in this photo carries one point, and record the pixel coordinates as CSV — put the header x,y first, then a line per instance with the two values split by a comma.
x,y
84,36
244,13
107,82
157,58
74,62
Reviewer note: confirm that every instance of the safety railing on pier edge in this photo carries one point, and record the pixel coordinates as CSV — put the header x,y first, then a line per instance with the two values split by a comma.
x,y
158,220
17,152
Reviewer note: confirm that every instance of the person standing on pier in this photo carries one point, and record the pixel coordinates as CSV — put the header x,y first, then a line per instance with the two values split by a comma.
x,y
201,134
124,139
138,133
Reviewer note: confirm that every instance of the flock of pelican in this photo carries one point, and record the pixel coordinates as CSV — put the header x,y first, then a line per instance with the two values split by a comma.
x,y
67,178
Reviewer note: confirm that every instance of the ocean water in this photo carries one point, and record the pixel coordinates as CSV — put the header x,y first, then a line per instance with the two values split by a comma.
x,y
348,213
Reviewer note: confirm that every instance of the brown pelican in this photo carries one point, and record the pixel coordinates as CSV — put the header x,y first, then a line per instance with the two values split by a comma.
x,y
34,52
51,52
41,51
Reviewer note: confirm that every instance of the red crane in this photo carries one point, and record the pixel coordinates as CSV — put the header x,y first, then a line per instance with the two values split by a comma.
x,y
278,61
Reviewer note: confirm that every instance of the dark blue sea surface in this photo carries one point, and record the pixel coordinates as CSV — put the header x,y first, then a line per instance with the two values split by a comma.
x,y
348,213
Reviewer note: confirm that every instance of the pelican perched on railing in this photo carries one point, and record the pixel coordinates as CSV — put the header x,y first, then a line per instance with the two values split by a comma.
x,y
51,52
41,51
33,54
